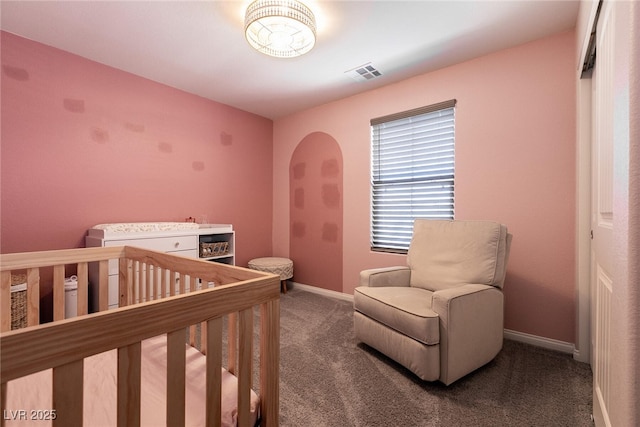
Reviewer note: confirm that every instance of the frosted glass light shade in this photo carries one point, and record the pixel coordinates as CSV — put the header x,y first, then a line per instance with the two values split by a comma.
x,y
280,28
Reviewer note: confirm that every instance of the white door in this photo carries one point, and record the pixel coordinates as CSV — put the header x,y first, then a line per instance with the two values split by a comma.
x,y
602,215
602,212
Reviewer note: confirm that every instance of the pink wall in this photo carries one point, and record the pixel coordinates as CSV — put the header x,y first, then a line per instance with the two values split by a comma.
x,y
515,163
83,144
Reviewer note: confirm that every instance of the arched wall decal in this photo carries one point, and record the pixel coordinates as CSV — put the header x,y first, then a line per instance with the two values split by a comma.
x,y
316,211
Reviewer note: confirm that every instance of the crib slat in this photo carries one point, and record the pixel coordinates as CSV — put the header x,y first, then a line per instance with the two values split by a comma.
x,y
5,301
162,282
133,281
33,296
141,270
67,394
138,282
192,336
157,274
173,282
245,339
153,294
183,283
58,292
124,288
192,329
214,372
83,288
129,385
147,283
232,339
203,338
270,363
176,357
103,286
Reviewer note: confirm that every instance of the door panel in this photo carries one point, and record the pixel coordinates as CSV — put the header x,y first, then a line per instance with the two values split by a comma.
x,y
602,214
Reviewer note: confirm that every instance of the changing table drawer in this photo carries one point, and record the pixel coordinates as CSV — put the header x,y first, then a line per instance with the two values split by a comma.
x,y
179,245
160,244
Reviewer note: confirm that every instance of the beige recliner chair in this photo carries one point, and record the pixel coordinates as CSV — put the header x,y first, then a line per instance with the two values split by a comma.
x,y
442,315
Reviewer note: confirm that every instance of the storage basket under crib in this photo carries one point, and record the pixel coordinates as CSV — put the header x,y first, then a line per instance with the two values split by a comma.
x,y
18,301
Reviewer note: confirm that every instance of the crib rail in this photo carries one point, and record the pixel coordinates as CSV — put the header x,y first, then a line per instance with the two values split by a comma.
x,y
146,277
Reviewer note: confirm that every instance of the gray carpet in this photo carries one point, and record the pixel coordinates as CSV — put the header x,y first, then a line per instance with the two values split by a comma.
x,y
328,379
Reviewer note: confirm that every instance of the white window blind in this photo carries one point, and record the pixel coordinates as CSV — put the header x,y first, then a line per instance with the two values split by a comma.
x,y
412,172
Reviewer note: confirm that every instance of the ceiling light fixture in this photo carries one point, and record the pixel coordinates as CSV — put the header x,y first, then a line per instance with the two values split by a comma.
x,y
280,28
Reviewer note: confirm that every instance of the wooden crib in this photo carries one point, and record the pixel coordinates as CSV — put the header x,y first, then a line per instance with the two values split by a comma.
x,y
158,295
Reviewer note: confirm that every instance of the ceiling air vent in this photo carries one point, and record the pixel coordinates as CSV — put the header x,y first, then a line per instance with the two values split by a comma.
x,y
363,73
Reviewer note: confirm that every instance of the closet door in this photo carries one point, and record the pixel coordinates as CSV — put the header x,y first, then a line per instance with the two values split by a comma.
x,y
602,215
609,213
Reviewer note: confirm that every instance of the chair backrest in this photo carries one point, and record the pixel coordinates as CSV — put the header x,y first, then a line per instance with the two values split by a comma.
x,y
443,254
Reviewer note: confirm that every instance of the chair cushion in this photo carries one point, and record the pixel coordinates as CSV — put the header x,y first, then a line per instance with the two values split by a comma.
x,y
405,309
443,254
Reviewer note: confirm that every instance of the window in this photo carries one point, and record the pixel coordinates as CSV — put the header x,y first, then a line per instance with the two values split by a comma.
x,y
412,172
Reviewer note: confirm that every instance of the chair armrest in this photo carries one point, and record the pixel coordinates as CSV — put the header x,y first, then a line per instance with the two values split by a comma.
x,y
386,276
471,328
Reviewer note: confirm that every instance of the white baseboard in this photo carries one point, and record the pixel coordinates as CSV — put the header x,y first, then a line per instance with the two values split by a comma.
x,y
321,291
535,340
581,356
548,343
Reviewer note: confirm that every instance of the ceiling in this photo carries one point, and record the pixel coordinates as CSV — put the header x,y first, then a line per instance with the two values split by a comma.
x,y
199,46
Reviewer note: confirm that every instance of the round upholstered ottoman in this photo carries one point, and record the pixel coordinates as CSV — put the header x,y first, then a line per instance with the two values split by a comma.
x,y
283,267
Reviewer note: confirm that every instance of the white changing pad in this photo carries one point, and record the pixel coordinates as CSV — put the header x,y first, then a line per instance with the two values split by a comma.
x,y
146,227
100,371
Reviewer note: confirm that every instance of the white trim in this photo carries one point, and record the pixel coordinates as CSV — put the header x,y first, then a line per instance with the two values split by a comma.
x,y
583,222
580,356
321,291
548,343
